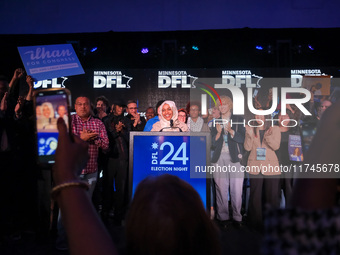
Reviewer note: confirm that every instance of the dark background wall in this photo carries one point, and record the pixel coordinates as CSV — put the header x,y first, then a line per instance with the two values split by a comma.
x,y
228,48
228,34
76,16
291,32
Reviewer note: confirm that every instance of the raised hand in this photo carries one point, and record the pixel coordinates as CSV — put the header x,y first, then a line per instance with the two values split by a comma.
x,y
71,157
249,130
18,73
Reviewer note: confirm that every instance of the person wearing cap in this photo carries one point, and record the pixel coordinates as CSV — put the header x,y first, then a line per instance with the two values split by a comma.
x,y
118,128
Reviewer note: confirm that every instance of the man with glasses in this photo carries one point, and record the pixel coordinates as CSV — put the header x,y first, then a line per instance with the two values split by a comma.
x,y
92,131
195,121
138,122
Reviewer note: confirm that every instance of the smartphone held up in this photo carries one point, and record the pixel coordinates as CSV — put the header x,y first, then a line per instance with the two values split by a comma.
x,y
49,105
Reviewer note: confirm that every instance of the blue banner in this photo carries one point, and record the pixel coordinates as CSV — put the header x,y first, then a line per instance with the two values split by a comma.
x,y
50,61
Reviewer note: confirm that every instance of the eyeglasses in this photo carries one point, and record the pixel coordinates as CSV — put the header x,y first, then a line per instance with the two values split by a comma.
x,y
84,104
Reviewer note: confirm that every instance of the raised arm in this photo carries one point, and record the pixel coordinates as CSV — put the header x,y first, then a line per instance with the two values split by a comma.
x,y
29,81
18,73
86,233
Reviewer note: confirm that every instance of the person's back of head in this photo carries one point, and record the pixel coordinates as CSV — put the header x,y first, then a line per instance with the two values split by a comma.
x,y
167,216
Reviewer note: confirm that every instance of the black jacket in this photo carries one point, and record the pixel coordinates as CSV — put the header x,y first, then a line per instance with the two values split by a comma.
x,y
235,144
119,141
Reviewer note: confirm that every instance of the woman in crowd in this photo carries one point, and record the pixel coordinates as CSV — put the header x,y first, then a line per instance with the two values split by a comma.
x,y
47,119
62,112
168,119
182,115
262,140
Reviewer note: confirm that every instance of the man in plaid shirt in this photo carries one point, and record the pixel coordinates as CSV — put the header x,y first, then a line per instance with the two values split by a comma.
x,y
92,131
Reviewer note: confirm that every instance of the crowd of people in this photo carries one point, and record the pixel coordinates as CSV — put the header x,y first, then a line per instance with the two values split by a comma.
x,y
103,131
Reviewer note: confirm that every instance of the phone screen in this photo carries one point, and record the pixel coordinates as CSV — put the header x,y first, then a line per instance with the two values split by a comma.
x,y
49,106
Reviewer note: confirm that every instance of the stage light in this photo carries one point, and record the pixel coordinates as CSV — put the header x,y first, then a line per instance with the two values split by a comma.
x,y
194,47
259,47
310,47
94,49
144,50
182,50
270,49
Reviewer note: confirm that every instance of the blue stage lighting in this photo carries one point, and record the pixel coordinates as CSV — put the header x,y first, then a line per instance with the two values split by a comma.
x,y
144,50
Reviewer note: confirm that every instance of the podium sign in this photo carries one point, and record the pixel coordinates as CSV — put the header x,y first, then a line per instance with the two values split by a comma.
x,y
175,153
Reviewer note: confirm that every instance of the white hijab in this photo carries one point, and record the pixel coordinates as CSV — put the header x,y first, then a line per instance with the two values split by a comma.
x,y
163,121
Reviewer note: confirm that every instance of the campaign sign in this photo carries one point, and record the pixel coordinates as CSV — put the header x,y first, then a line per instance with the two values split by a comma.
x,y
295,148
50,61
154,155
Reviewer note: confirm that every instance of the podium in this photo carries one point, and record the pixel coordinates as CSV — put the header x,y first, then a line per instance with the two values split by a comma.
x,y
184,154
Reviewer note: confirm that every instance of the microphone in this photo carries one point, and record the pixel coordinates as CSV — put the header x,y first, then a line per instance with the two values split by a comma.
x,y
171,126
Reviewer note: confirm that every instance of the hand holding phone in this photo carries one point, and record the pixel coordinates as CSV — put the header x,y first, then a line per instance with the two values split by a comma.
x,y
49,105
71,156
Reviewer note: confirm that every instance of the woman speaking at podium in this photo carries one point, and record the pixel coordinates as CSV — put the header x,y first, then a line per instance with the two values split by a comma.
x,y
168,121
